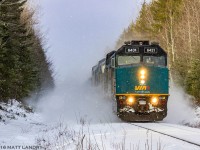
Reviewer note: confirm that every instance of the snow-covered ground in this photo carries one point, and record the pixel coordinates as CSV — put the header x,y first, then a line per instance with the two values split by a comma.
x,y
85,120
18,125
32,131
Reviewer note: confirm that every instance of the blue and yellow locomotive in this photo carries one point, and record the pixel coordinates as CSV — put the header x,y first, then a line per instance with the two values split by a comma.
x,y
137,78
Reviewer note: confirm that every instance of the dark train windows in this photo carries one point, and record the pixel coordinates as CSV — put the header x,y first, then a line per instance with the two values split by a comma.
x,y
124,60
128,60
154,60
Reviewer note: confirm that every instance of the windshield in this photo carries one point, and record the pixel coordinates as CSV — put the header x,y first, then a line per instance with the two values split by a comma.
x,y
154,60
128,60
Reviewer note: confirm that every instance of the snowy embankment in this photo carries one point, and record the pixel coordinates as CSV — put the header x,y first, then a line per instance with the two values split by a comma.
x,y
20,127
78,116
18,124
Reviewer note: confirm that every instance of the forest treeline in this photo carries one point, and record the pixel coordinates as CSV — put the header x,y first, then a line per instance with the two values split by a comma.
x,y
175,24
24,68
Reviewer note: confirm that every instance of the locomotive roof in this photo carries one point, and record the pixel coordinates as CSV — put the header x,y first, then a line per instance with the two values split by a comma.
x,y
94,67
102,60
108,56
141,47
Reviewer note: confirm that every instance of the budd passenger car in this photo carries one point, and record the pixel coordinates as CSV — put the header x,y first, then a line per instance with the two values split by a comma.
x,y
137,77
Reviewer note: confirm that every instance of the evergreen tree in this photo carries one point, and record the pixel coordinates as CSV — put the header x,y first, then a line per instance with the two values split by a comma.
x,y
175,24
142,23
192,80
20,67
165,12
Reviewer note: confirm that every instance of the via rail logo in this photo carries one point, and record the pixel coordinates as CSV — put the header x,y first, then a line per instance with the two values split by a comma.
x,y
142,88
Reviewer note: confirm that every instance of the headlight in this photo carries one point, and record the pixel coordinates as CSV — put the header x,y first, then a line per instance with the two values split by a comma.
x,y
122,97
142,82
142,76
154,101
162,97
142,72
130,100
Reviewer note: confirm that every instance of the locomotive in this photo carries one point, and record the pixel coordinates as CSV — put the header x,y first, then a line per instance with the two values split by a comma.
x,y
136,76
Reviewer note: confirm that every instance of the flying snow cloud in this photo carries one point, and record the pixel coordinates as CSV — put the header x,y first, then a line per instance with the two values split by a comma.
x,y
73,101
180,109
78,34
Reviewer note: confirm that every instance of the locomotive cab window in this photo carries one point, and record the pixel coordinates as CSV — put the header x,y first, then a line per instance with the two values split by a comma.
x,y
128,60
159,61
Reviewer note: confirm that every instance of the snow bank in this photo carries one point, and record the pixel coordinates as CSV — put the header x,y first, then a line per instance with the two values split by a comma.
x,y
19,126
13,110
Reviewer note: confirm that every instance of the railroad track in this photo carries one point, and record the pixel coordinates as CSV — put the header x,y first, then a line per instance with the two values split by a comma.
x,y
174,126
169,135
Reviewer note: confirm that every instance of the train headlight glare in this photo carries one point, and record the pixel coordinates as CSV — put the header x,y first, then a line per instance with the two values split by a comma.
x,y
142,77
142,72
154,101
130,100
142,81
122,97
162,97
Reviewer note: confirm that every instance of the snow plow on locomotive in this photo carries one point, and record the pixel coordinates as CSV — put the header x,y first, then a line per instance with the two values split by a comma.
x,y
136,76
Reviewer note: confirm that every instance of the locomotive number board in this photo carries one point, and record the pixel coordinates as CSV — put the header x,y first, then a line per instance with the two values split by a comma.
x,y
130,50
150,50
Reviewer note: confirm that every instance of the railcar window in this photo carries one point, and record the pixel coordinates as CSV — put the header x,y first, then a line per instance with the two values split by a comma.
x,y
128,60
154,60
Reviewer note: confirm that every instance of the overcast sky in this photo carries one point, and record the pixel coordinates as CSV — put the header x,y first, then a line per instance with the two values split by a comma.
x,y
78,31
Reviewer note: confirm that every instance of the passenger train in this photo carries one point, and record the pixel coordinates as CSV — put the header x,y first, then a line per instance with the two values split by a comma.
x,y
136,77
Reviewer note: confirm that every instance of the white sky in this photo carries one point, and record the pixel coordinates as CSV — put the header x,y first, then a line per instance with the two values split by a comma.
x,y
78,31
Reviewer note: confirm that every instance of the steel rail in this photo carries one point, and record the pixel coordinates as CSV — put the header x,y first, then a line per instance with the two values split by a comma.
x,y
168,125
190,142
